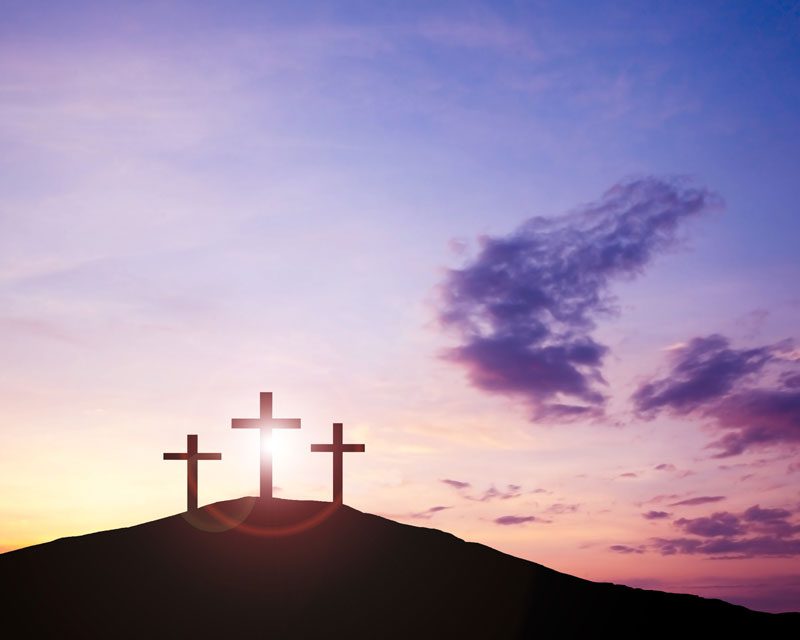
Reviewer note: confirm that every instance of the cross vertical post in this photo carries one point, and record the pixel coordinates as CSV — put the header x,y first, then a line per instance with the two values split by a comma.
x,y
265,423
191,456
338,448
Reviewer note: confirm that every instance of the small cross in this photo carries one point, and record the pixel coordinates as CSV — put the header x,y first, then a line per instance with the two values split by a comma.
x,y
337,449
266,423
192,456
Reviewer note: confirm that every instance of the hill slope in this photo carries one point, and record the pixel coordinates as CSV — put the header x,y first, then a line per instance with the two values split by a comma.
x,y
347,574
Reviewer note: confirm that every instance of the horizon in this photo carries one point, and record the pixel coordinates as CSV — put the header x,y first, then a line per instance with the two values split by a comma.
x,y
541,260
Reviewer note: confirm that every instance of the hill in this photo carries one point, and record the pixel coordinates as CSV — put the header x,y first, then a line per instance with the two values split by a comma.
x,y
224,572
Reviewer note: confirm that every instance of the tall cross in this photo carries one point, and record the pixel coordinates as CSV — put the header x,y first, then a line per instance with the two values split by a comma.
x,y
266,423
337,449
192,456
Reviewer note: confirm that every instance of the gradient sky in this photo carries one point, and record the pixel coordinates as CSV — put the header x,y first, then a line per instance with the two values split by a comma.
x,y
334,201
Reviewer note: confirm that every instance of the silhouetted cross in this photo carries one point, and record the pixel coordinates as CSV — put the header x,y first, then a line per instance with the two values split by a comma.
x,y
337,449
266,423
192,456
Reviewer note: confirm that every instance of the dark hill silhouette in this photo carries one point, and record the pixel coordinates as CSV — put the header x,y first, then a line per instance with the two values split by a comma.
x,y
352,575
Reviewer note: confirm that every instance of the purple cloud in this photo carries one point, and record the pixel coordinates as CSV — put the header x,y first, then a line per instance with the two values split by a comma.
x,y
492,493
692,502
709,379
511,491
662,497
655,515
770,521
514,520
754,532
525,307
559,508
791,380
757,418
703,370
630,474
726,548
623,548
427,514
757,514
456,484
671,468
717,524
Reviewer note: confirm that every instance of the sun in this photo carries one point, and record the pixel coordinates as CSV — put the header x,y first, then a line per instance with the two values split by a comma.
x,y
279,445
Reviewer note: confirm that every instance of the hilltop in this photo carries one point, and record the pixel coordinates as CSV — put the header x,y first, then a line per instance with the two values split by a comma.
x,y
222,572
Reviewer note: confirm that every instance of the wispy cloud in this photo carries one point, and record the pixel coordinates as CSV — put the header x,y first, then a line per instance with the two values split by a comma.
x,y
425,515
516,520
560,508
456,484
492,493
625,549
693,502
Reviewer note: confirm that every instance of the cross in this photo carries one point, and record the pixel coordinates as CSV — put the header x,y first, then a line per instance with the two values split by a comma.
x,y
192,456
337,449
266,423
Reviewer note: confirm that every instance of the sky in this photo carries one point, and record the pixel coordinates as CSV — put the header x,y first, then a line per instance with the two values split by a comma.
x,y
540,257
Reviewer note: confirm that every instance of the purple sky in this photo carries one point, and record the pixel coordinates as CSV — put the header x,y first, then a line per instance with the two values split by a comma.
x,y
541,258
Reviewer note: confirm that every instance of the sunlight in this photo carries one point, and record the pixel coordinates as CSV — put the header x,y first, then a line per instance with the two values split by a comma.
x,y
283,446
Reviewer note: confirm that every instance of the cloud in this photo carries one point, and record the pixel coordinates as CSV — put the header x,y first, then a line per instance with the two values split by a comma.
x,y
729,549
629,474
515,520
525,307
511,491
703,370
717,524
692,502
427,514
751,394
757,514
753,464
623,548
758,418
559,508
492,493
456,484
791,381
770,521
655,515
671,468
755,532
662,497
